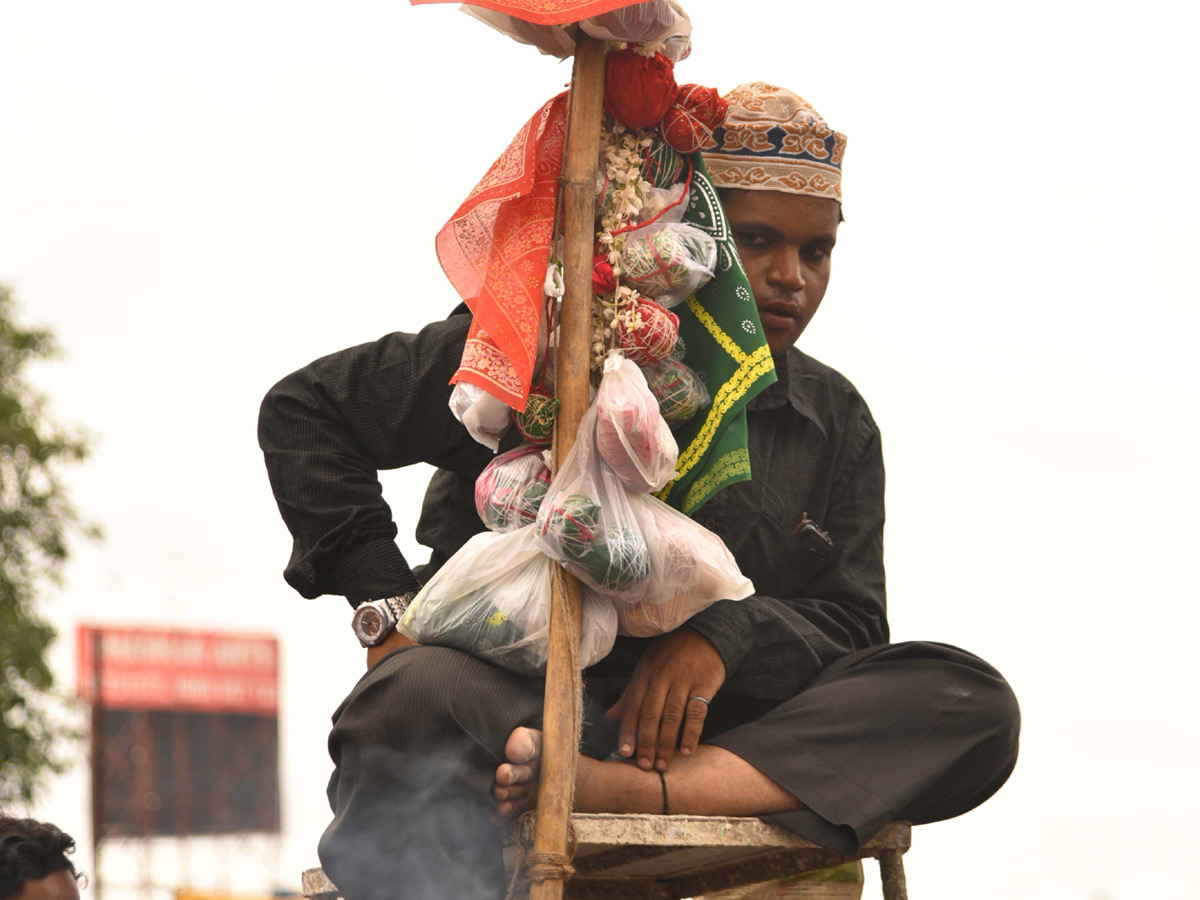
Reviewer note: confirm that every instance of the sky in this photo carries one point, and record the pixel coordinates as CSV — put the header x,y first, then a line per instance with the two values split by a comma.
x,y
201,198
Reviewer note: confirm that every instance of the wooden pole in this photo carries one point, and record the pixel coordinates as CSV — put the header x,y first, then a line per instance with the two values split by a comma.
x,y
578,197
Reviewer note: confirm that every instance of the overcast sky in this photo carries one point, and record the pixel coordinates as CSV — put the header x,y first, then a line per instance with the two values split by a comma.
x,y
200,198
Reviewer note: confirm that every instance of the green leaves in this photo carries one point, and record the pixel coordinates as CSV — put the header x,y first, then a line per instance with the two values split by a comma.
x,y
36,517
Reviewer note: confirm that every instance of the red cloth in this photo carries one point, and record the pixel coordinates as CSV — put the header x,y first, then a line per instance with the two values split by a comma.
x,y
545,12
638,90
495,250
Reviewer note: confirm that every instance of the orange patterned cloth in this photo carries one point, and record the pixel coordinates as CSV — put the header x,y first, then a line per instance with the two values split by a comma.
x,y
545,12
495,250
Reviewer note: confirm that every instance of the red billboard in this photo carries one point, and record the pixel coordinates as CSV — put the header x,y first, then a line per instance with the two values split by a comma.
x,y
159,668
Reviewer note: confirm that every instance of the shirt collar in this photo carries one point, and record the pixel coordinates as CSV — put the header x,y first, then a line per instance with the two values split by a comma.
x,y
791,368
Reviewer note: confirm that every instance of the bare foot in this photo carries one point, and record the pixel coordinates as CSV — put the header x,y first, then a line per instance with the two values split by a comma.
x,y
517,779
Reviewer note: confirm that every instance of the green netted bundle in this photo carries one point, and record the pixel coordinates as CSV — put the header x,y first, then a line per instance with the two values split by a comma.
x,y
663,166
679,391
474,624
669,262
536,423
619,561
572,525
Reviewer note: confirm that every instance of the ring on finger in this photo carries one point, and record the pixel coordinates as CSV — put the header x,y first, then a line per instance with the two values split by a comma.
x,y
701,699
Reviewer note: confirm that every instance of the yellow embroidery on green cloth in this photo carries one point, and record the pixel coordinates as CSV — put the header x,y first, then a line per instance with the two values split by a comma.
x,y
754,367
728,466
715,330
496,619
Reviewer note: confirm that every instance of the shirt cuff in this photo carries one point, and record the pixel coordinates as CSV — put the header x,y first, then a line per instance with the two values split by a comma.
x,y
373,571
728,627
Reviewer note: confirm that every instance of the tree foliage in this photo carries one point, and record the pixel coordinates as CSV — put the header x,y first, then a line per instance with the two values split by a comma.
x,y
36,518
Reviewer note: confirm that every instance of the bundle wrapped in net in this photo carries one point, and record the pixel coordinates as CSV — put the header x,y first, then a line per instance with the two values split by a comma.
x,y
492,600
691,568
536,420
663,165
679,391
586,523
611,556
509,491
631,435
646,332
668,261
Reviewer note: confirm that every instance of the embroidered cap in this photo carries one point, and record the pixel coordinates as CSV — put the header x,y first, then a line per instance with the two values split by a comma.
x,y
773,140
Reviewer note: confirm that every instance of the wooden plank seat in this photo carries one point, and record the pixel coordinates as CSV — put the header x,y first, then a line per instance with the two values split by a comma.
x,y
643,857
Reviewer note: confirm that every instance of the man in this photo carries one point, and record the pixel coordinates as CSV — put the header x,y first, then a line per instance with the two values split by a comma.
x,y
34,863
789,704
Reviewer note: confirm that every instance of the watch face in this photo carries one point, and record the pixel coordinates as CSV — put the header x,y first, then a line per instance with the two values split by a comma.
x,y
370,623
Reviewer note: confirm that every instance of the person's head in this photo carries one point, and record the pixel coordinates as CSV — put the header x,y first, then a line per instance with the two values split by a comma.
x,y
778,167
34,863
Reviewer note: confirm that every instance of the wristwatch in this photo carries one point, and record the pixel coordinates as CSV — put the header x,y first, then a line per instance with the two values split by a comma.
x,y
375,620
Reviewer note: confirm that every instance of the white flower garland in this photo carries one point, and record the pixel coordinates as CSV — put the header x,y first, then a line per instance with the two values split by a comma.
x,y
624,152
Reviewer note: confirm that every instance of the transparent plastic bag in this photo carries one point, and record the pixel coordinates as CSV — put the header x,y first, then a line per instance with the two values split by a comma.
x,y
691,569
664,204
509,491
679,391
653,20
631,435
484,416
668,261
492,600
586,522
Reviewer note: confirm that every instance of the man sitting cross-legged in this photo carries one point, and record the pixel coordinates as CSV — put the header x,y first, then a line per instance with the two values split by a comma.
x,y
789,704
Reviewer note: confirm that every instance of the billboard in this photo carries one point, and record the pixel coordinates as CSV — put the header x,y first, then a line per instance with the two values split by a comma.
x,y
184,730
157,668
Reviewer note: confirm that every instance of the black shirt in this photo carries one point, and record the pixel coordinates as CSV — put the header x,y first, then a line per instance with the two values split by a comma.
x,y
327,429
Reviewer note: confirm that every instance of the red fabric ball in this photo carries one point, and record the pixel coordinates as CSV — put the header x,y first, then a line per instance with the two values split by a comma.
x,y
638,90
655,339
688,125
603,279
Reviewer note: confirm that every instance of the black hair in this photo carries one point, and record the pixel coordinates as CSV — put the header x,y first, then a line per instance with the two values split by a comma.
x,y
31,850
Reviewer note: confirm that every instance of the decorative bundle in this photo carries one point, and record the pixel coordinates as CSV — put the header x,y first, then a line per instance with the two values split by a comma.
x,y
688,125
618,562
668,262
631,435
647,332
679,391
509,491
536,423
662,166
615,557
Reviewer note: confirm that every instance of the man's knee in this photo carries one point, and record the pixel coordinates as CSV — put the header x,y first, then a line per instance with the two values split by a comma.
x,y
419,696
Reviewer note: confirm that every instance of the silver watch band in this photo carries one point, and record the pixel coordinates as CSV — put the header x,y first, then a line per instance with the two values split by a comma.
x,y
374,620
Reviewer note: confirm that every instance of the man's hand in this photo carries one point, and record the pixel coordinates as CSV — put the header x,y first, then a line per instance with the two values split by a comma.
x,y
394,641
674,669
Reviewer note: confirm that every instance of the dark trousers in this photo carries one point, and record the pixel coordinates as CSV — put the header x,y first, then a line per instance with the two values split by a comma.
x,y
915,731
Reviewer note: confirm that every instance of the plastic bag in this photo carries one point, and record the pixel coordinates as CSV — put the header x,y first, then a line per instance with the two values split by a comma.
x,y
653,20
586,522
664,203
631,435
492,600
668,261
679,391
691,569
509,491
484,416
